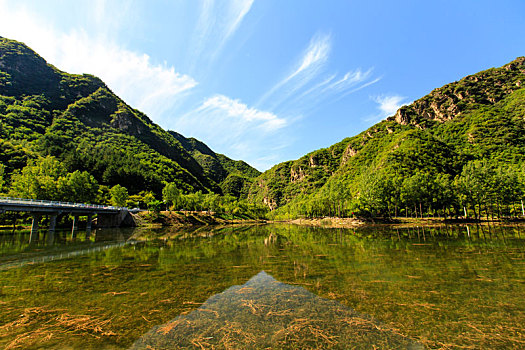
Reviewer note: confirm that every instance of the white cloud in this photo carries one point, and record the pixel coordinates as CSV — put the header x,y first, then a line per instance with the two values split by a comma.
x,y
306,88
236,12
232,127
217,23
147,86
388,104
350,82
236,109
315,55
307,67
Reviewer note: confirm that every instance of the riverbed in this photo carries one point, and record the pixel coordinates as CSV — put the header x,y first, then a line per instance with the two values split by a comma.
x,y
269,286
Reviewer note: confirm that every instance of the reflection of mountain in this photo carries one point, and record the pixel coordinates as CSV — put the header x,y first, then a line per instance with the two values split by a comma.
x,y
66,254
265,313
19,252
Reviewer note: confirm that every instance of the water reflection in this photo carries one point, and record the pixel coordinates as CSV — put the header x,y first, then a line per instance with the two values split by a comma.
x,y
265,313
23,248
446,287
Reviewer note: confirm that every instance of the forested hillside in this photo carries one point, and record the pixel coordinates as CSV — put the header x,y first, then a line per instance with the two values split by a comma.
x,y
76,125
459,148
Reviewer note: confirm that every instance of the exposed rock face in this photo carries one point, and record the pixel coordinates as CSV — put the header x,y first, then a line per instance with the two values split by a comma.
x,y
297,175
313,161
270,202
349,153
445,103
123,122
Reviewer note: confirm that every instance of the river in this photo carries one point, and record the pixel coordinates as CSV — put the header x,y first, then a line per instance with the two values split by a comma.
x,y
270,286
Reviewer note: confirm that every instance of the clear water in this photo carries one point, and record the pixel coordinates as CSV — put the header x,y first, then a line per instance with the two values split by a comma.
x,y
273,286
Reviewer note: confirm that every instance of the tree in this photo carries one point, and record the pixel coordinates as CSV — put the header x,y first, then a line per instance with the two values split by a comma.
x,y
171,194
119,195
155,206
38,180
78,187
475,184
147,197
2,180
444,194
507,187
418,191
374,189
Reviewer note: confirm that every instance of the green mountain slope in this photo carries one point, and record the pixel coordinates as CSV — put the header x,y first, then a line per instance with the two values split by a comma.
x,y
481,117
234,176
81,122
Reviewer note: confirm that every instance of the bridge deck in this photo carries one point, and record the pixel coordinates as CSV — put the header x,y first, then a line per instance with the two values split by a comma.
x,y
43,206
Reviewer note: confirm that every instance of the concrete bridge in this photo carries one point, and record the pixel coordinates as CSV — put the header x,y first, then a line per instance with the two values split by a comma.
x,y
107,216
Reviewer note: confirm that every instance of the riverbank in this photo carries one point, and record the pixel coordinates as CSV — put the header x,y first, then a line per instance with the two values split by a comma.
x,y
399,222
328,222
190,218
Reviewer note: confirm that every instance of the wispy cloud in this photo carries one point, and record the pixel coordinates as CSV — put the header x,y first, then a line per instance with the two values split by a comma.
x,y
236,109
231,126
217,23
304,70
337,87
308,85
387,105
315,55
236,11
145,85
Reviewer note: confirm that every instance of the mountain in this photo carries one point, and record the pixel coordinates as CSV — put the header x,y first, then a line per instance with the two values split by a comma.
x,y
81,122
234,176
480,118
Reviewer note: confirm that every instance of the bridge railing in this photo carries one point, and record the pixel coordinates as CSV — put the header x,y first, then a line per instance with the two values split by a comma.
x,y
26,201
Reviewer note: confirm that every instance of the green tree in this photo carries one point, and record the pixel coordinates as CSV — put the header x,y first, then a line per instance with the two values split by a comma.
x,y
147,197
119,195
155,206
418,191
475,185
374,189
78,187
444,194
2,174
38,180
171,194
507,188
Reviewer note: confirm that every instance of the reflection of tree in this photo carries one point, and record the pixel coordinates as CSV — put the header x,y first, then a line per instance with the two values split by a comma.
x,y
413,283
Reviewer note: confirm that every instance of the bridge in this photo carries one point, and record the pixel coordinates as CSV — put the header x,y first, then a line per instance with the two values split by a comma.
x,y
107,215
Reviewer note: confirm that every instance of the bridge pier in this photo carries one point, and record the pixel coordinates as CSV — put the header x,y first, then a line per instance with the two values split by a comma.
x,y
122,218
88,225
75,226
52,222
50,238
34,227
51,231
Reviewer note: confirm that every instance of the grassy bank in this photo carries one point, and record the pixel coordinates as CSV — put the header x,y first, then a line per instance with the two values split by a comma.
x,y
335,222
191,218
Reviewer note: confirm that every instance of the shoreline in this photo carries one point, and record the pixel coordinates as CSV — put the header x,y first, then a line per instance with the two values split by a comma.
x,y
202,219
399,222
189,219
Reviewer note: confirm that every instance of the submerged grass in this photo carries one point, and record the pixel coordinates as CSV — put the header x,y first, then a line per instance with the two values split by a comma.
x,y
264,313
446,287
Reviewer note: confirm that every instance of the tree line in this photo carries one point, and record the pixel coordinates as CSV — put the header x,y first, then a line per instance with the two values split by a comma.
x,y
482,189
46,178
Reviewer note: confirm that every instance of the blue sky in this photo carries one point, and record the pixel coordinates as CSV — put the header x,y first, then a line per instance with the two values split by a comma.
x,y
269,80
